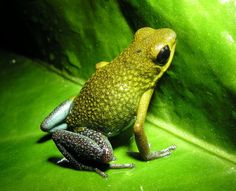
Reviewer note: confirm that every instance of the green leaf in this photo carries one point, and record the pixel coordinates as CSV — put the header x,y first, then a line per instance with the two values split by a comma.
x,y
193,106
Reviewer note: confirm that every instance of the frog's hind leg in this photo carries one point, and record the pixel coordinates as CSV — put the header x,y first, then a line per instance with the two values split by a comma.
x,y
77,164
86,149
56,119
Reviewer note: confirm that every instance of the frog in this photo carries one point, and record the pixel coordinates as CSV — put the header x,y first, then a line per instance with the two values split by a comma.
x,y
115,98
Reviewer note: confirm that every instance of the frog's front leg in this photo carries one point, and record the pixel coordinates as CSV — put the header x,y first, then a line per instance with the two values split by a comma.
x,y
56,119
84,147
140,137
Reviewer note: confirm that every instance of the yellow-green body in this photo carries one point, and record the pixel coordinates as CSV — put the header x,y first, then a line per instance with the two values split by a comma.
x,y
109,100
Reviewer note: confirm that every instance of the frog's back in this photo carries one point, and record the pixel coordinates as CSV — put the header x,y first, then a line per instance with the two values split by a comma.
x,y
109,100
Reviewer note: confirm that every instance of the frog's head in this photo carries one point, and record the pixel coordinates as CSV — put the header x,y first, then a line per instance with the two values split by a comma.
x,y
157,45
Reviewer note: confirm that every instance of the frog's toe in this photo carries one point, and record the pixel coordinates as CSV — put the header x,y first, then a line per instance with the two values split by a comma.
x,y
119,166
168,149
101,173
161,153
63,160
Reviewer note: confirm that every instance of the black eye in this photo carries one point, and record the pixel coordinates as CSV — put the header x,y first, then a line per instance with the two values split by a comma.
x,y
163,56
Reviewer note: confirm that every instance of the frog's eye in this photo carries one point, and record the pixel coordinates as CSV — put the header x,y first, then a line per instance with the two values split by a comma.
x,y
163,56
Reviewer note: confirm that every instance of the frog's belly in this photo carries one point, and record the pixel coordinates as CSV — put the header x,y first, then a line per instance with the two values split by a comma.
x,y
107,114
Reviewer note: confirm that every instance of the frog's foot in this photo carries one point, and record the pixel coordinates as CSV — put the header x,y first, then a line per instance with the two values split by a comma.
x,y
56,119
161,153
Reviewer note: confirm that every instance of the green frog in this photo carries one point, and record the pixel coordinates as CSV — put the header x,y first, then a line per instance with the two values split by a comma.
x,y
115,98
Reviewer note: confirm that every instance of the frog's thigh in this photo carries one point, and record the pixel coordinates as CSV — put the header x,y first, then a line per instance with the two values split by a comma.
x,y
101,140
101,64
71,145
55,120
85,145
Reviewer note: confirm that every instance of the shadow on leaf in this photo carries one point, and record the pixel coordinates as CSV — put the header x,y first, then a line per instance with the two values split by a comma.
x,y
45,138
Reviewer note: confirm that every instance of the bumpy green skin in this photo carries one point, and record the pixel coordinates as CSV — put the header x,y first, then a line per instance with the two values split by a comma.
x,y
108,102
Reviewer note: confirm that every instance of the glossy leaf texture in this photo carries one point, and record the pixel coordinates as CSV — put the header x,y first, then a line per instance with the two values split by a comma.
x,y
194,105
